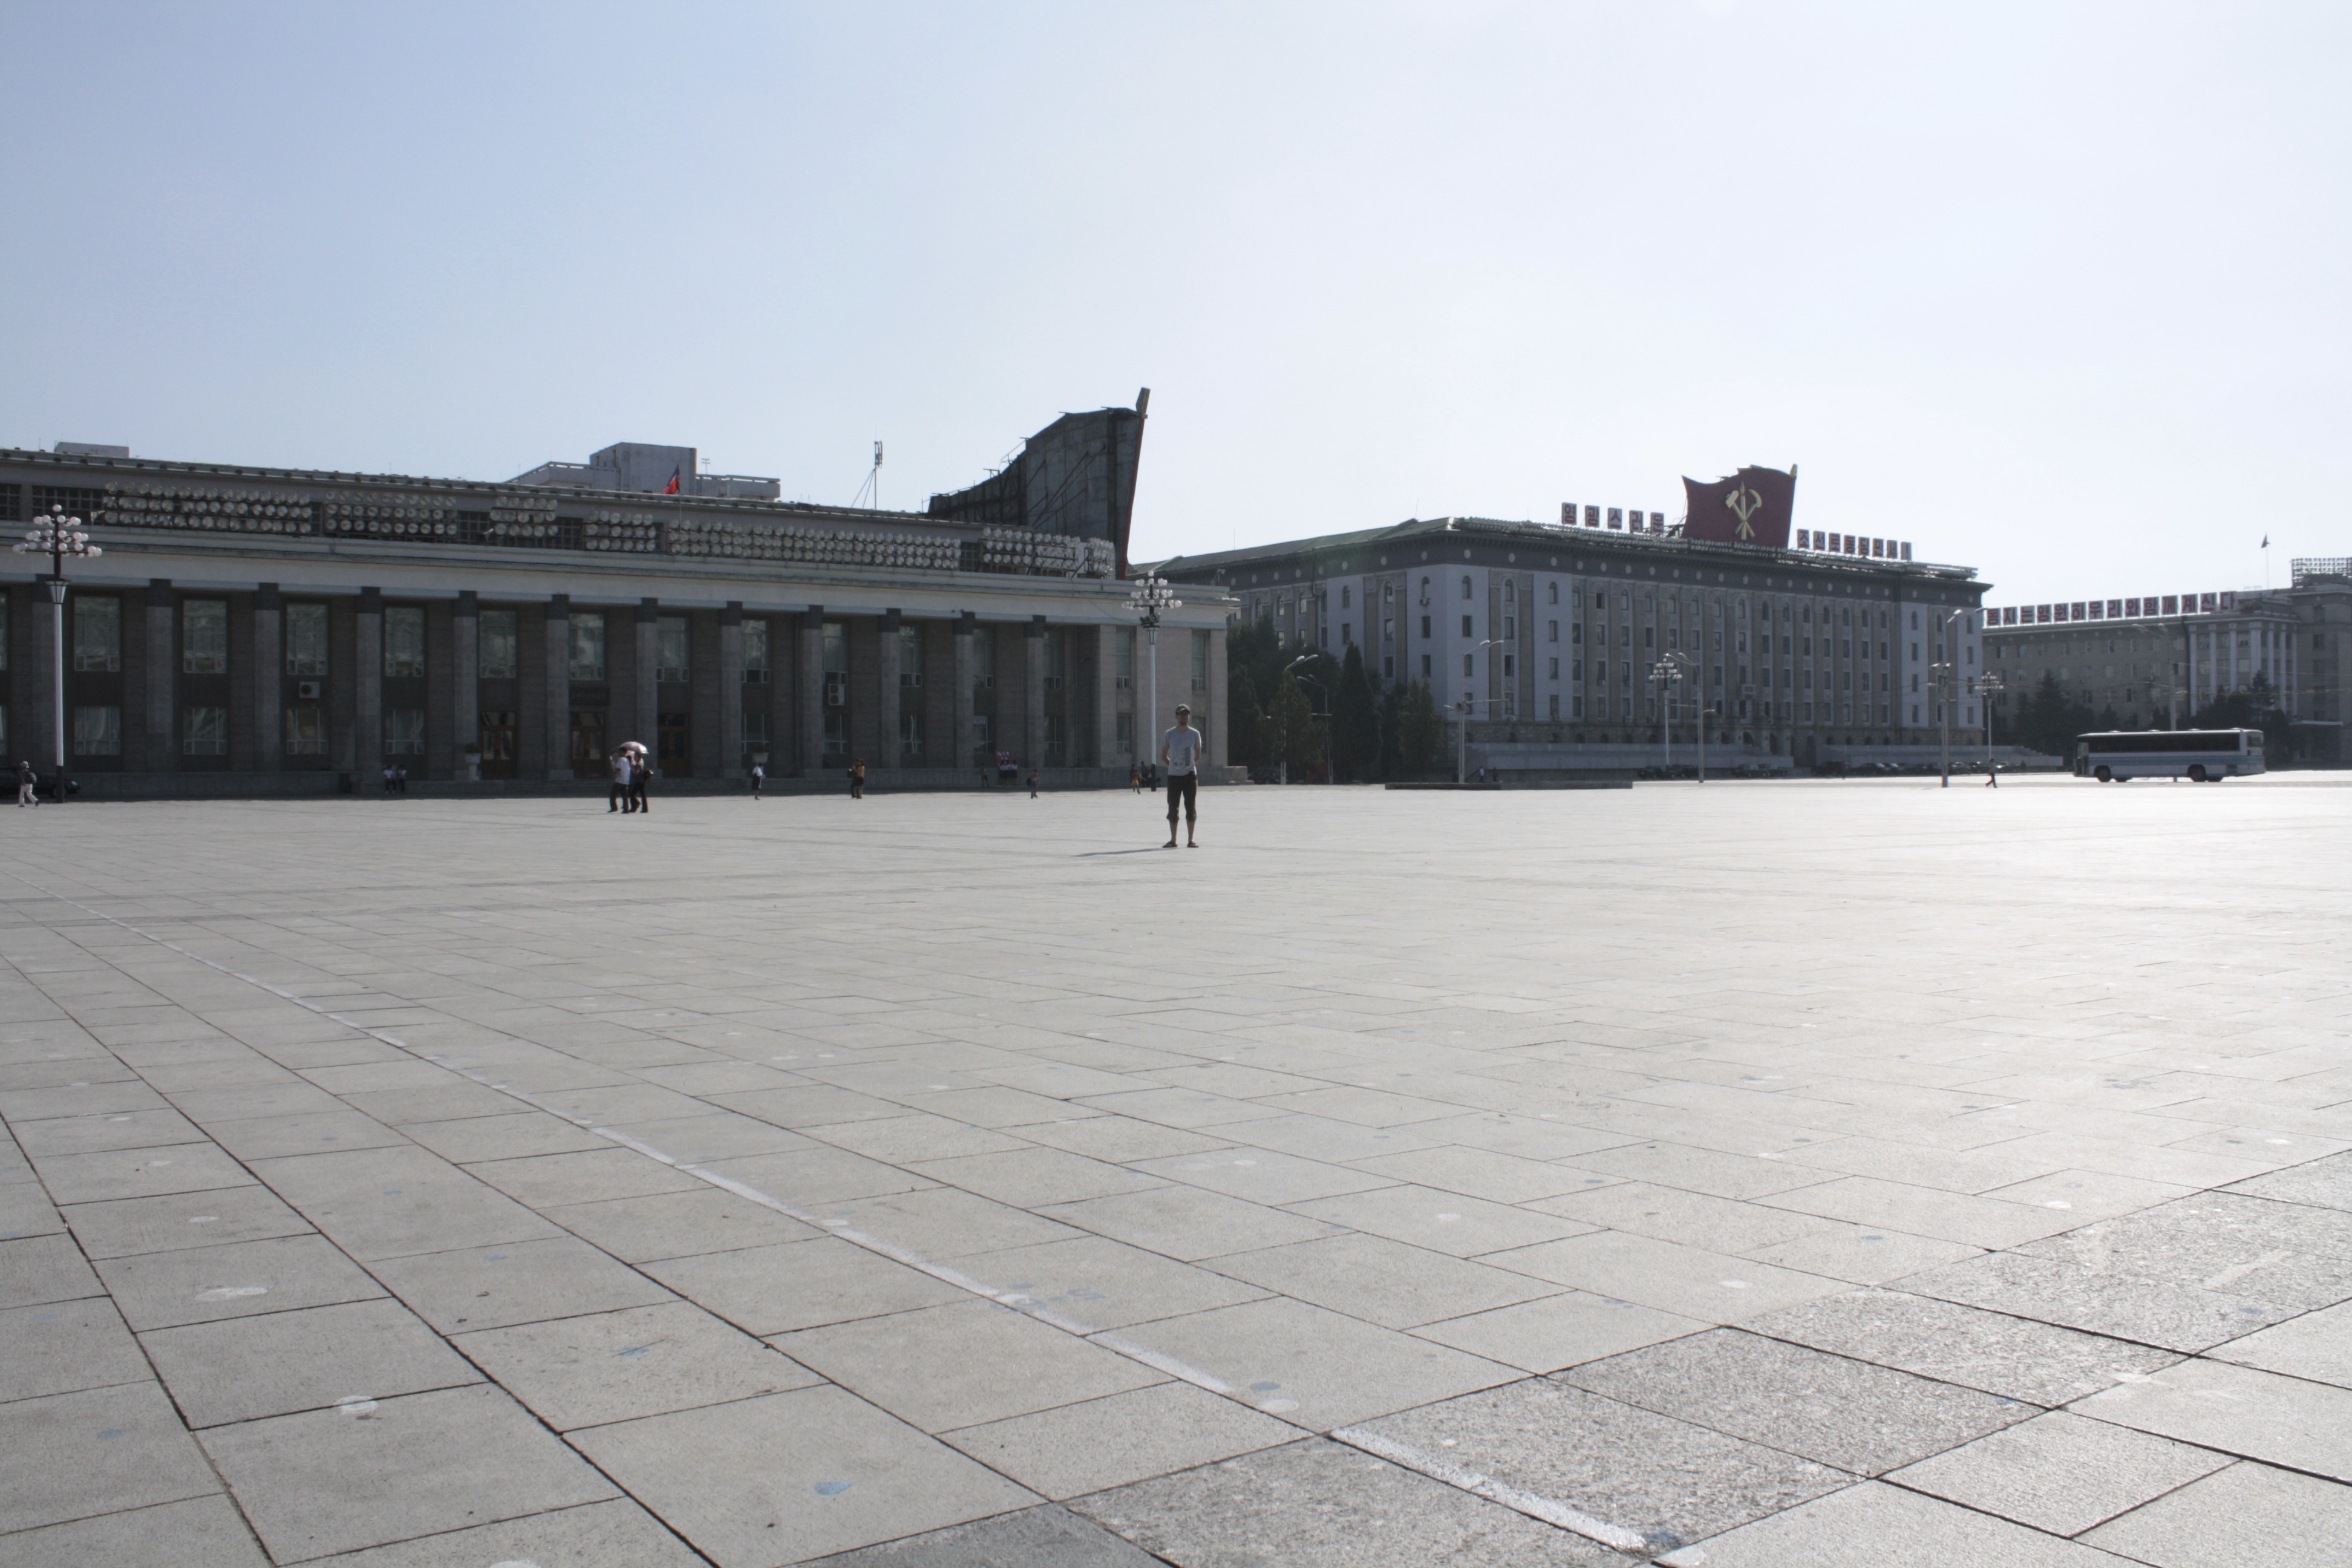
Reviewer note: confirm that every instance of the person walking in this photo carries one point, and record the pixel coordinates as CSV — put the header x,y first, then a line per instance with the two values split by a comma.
x,y
1993,775
1180,754
617,761
1033,784
28,784
1135,778
858,779
641,773
758,777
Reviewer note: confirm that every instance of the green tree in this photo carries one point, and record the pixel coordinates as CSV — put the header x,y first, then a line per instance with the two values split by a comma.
x,y
1355,719
1420,731
1392,760
1245,722
1299,736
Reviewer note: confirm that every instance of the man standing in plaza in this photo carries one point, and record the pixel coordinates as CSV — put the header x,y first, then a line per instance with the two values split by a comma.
x,y
27,783
1180,754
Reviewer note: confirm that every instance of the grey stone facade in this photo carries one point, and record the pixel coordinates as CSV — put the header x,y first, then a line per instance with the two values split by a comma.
x,y
269,623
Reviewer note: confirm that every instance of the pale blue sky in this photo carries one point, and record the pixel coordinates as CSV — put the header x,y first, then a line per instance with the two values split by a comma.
x,y
2056,290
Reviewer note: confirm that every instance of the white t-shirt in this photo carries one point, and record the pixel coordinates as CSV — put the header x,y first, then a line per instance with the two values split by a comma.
x,y
1182,745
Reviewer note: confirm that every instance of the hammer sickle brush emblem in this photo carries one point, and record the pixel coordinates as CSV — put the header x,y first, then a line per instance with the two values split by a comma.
x,y
1744,504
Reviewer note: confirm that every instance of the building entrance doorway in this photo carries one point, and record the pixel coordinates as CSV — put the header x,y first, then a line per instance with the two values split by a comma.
x,y
675,755
498,742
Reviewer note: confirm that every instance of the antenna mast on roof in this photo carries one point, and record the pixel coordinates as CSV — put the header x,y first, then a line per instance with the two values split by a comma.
x,y
870,494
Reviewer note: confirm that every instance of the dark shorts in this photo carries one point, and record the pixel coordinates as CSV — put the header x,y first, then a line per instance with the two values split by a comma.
x,y
1185,787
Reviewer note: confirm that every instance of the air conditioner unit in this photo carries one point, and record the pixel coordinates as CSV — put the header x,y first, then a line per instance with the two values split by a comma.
x,y
910,677
837,691
307,690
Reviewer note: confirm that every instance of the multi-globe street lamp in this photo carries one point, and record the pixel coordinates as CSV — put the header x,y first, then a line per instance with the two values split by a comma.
x,y
1669,672
1282,764
57,536
1989,687
1151,595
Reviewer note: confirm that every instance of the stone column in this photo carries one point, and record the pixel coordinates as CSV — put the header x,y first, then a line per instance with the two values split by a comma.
x,y
367,692
648,678
959,709
1212,723
808,681
1032,687
558,716
160,728
267,676
886,681
730,690
40,742
1105,697
465,677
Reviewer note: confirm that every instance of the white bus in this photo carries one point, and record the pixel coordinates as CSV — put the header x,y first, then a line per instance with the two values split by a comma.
x,y
2204,755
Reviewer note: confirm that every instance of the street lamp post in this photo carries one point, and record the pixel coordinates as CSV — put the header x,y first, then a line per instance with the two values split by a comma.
x,y
1945,678
56,536
1989,686
1282,764
1668,673
1151,595
1469,706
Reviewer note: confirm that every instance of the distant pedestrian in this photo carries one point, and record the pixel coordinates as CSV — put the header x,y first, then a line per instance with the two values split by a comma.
x,y
1135,778
617,797
400,778
1993,775
858,779
758,777
641,773
28,785
1033,784
388,772
1180,754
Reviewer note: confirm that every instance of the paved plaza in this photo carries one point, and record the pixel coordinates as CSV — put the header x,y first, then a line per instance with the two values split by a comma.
x,y
1816,1174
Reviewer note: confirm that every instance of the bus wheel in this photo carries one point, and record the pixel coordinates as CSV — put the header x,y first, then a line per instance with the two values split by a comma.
x,y
2197,772
2103,776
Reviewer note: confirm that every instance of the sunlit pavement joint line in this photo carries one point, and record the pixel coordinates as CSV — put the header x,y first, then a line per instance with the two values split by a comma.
x,y
1556,1514
1157,1361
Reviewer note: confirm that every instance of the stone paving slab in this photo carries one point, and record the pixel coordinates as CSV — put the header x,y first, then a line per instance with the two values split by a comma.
x,y
902,1182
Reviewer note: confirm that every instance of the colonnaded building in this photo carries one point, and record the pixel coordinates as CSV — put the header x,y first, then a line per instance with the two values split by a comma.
x,y
261,628
2155,658
1546,640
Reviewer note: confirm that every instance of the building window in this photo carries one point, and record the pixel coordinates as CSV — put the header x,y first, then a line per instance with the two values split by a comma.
x,y
306,639
1552,597
587,734
498,743
1466,665
1424,666
910,735
910,659
586,658
1056,742
204,732
1555,708
204,639
98,731
1465,587
1467,623
1200,662
1126,735
1511,628
403,732
1551,631
755,659
306,731
1387,666
1346,598
1122,653
1388,631
755,731
98,641
498,641
1424,628
1510,666
669,650
404,640
1346,633
4,646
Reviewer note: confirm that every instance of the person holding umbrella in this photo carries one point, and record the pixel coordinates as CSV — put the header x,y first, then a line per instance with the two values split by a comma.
x,y
640,771
617,761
